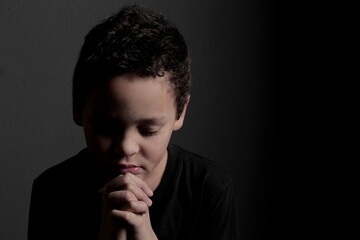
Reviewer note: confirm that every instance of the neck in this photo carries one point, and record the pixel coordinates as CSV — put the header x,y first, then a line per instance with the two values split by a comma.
x,y
153,180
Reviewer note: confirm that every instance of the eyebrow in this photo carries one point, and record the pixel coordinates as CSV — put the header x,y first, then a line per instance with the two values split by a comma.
x,y
151,121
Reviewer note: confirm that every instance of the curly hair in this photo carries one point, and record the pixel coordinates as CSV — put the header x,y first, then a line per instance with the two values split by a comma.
x,y
133,41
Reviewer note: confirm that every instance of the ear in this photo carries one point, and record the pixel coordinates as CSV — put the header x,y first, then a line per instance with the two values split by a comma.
x,y
179,122
77,119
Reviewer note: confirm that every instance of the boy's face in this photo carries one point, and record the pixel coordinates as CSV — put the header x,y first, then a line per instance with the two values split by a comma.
x,y
128,124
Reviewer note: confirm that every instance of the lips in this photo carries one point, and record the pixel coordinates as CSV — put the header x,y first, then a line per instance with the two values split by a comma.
x,y
130,169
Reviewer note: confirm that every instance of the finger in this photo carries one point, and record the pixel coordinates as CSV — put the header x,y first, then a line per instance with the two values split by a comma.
x,y
122,179
122,196
124,216
137,207
130,183
143,185
138,192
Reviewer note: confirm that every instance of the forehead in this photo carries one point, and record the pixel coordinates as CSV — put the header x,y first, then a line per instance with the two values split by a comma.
x,y
139,84
132,96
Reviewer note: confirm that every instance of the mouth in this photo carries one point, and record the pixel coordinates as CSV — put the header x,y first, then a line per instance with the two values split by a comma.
x,y
133,169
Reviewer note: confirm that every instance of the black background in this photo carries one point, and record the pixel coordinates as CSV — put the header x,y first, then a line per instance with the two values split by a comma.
x,y
250,70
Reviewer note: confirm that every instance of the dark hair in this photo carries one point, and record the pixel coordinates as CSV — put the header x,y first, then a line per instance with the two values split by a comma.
x,y
133,41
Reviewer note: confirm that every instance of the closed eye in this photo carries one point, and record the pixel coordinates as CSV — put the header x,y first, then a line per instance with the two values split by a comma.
x,y
147,133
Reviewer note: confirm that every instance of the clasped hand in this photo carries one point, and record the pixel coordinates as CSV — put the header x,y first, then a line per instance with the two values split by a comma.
x,y
125,209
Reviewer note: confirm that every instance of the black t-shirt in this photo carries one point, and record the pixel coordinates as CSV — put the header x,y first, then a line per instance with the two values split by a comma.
x,y
194,200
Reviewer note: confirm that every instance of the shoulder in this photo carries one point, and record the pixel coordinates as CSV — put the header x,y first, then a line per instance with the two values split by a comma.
x,y
211,193
64,171
201,170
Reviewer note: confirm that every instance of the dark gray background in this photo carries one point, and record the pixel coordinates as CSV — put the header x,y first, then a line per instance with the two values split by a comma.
x,y
231,117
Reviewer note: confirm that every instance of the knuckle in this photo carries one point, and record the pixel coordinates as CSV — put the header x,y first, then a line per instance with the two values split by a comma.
x,y
126,177
126,216
143,206
135,204
136,207
120,196
129,187
139,206
128,195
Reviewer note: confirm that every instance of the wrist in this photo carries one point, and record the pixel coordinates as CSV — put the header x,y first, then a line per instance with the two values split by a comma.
x,y
145,234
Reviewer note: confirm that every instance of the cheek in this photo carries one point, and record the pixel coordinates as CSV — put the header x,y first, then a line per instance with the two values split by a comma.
x,y
156,148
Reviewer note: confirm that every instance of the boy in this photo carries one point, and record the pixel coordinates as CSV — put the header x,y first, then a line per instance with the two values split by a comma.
x,y
130,92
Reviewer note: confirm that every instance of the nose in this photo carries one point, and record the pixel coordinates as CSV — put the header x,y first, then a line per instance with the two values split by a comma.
x,y
126,144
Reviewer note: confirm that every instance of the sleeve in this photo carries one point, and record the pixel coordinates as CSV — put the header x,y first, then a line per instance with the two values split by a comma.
x,y
219,214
